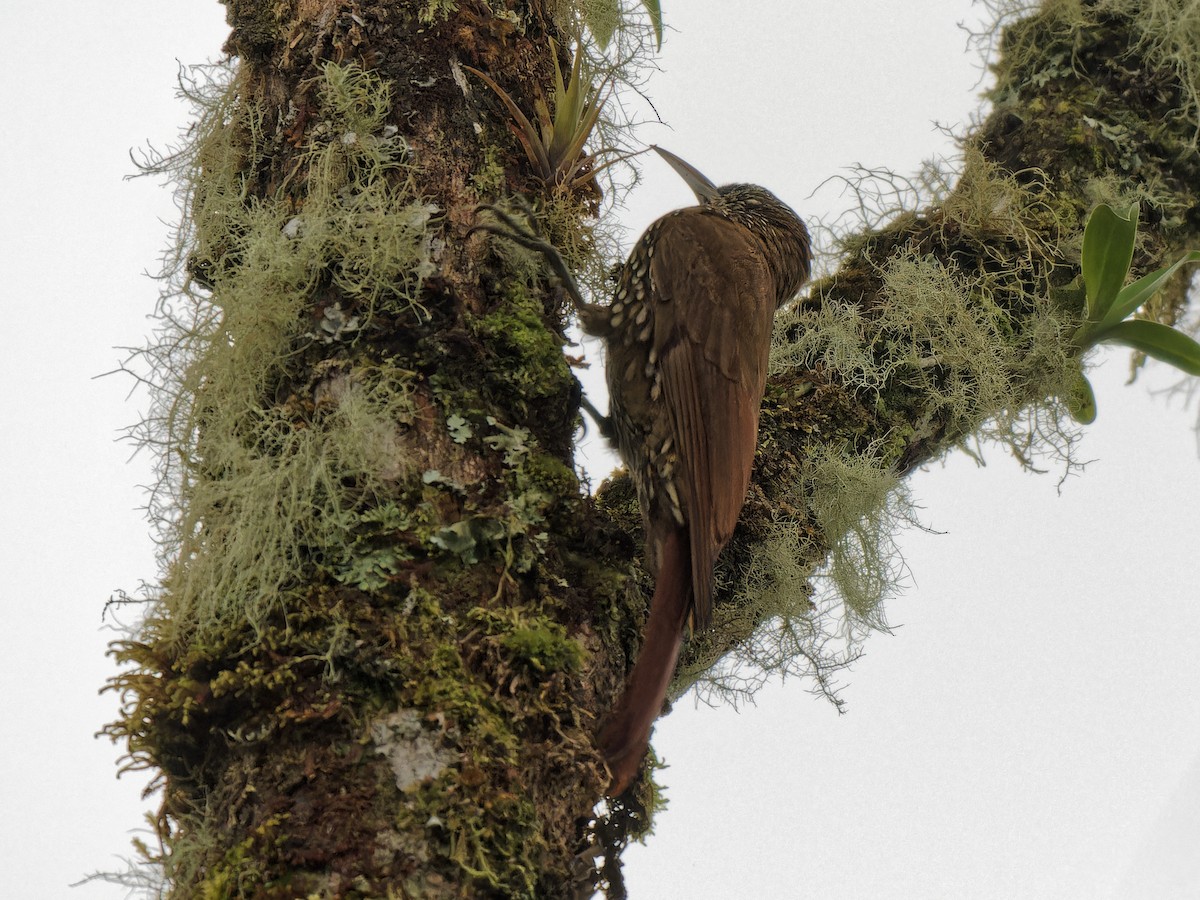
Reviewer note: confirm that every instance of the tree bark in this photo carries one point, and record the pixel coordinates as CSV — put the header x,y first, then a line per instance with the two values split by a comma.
x,y
390,622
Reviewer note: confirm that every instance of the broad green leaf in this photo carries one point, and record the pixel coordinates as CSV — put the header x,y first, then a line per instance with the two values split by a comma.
x,y
1160,341
1133,296
1107,252
1081,402
654,9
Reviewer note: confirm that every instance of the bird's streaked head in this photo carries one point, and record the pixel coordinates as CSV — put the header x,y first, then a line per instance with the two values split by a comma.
x,y
776,224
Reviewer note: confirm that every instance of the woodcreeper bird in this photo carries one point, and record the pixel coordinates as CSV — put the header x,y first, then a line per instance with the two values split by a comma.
x,y
687,336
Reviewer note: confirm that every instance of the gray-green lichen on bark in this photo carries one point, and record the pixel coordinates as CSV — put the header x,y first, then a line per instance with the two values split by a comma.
x,y
390,620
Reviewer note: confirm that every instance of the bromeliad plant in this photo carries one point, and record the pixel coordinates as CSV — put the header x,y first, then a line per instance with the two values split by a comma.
x,y
1108,240
555,146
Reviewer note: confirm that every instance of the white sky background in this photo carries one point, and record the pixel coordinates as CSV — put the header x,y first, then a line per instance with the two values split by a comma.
x,y
1031,729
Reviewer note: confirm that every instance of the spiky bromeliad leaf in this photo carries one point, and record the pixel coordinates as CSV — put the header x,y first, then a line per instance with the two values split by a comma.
x,y
555,146
576,109
520,126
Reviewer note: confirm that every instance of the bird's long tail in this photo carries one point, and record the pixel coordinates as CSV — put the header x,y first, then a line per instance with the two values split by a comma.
x,y
627,733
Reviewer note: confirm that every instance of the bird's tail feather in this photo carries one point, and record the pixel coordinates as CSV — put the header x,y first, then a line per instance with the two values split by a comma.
x,y
627,733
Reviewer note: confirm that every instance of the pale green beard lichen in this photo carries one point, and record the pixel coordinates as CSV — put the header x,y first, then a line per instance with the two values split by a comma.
x,y
252,489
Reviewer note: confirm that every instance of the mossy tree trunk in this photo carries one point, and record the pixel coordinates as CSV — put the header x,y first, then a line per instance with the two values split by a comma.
x,y
390,622
376,666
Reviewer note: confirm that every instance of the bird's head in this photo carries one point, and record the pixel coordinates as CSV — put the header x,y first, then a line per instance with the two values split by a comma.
x,y
784,234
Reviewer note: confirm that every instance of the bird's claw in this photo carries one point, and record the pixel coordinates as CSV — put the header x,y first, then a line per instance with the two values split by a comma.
x,y
592,317
524,234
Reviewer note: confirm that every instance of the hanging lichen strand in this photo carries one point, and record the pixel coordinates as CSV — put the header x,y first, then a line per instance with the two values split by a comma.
x,y
267,493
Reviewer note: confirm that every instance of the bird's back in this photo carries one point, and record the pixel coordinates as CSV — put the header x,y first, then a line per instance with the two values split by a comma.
x,y
686,362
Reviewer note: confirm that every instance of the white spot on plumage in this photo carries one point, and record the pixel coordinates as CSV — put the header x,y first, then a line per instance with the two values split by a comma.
x,y
676,506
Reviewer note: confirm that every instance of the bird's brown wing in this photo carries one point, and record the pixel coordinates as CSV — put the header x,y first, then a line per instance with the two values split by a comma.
x,y
714,305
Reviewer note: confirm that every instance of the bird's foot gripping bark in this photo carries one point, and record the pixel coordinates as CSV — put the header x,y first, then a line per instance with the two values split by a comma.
x,y
626,735
591,315
593,318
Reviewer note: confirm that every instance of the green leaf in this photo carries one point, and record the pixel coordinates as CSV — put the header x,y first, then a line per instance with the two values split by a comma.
x,y
654,9
1107,252
1160,341
521,127
457,538
1081,402
1133,296
570,105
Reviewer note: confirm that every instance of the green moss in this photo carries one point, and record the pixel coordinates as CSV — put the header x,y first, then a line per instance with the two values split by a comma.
x,y
487,689
237,873
527,361
355,100
535,644
551,475
947,351
265,499
494,842
943,328
321,575
857,502
1166,31
255,25
489,179
492,835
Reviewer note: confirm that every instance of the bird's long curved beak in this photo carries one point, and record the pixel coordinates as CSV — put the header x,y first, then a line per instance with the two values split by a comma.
x,y
704,189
